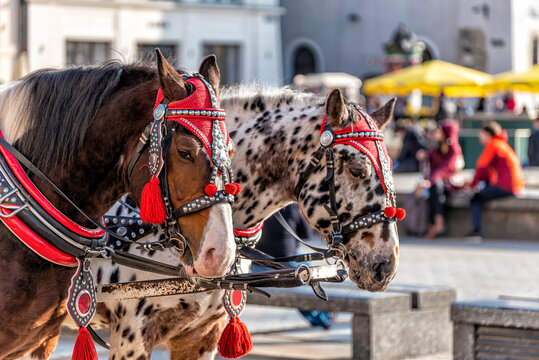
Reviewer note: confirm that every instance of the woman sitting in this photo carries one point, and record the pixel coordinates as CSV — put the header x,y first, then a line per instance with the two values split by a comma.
x,y
498,169
445,160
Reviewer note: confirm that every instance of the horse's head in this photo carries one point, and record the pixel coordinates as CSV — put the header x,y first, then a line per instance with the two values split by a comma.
x,y
361,190
189,170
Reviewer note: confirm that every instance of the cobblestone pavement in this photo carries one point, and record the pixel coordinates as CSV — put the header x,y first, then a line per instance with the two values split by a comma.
x,y
477,270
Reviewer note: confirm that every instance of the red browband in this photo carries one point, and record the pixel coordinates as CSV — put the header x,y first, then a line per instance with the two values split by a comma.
x,y
363,138
195,104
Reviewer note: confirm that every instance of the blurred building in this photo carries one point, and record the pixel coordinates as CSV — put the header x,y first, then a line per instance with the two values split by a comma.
x,y
351,35
244,34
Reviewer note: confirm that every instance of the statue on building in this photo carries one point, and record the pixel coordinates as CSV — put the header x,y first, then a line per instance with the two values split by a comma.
x,y
403,49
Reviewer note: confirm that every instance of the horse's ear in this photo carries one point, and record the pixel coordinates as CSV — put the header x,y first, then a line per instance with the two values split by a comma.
x,y
210,70
383,115
172,84
336,109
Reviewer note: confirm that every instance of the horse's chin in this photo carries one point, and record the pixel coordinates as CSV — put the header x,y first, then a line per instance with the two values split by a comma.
x,y
187,262
365,282
190,270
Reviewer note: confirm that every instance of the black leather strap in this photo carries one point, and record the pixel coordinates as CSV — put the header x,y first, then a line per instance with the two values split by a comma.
x,y
142,141
279,217
203,202
317,156
145,264
98,338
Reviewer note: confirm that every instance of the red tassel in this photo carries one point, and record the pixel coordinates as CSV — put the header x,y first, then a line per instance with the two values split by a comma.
x,y
238,188
84,346
235,340
233,188
389,211
400,213
230,188
210,189
152,208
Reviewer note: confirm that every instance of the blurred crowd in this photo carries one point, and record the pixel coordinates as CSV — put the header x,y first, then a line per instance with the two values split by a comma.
x,y
430,146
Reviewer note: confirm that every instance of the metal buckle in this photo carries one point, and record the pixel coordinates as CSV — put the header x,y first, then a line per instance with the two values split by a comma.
x,y
334,239
14,208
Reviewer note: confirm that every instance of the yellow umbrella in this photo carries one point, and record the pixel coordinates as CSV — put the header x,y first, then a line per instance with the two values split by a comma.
x,y
526,81
431,77
501,81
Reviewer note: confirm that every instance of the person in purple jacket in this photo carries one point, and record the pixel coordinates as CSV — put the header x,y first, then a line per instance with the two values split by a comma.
x,y
445,160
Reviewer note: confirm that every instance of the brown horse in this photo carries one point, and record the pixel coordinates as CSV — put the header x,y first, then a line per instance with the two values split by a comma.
x,y
80,127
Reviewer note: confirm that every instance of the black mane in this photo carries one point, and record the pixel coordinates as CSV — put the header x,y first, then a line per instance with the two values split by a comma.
x,y
61,104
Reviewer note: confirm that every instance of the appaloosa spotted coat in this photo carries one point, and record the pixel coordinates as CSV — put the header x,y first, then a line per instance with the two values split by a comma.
x,y
275,132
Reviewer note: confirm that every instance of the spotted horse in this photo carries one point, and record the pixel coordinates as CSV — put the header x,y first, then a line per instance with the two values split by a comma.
x,y
76,133
276,132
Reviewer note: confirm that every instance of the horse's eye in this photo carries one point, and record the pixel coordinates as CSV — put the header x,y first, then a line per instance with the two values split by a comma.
x,y
185,154
357,172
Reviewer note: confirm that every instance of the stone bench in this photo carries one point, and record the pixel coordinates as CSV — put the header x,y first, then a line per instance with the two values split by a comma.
x,y
496,329
507,218
402,322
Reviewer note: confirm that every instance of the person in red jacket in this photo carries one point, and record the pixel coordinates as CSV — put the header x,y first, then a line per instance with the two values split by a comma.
x,y
498,167
444,164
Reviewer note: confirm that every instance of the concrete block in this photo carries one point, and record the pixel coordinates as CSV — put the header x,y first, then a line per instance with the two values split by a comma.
x,y
404,321
496,329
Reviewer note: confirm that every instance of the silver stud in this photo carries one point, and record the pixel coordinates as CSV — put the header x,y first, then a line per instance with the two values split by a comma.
x,y
139,222
122,221
197,113
118,243
133,235
159,112
141,231
326,138
130,221
191,112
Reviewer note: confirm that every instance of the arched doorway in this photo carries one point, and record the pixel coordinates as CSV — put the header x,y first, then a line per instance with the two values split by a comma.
x,y
304,61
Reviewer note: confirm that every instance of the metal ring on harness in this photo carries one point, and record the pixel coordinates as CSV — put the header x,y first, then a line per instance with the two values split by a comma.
x,y
179,244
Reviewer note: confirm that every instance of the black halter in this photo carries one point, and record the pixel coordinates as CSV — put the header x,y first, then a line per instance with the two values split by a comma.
x,y
335,240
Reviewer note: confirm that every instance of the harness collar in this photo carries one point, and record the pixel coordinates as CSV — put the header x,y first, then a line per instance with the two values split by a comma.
x,y
41,227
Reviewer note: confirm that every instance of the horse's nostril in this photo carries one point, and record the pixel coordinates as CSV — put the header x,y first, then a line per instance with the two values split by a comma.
x,y
380,270
210,256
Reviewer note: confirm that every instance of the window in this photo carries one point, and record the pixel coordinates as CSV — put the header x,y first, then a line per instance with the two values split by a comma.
x,y
304,62
147,52
87,53
228,58
535,50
